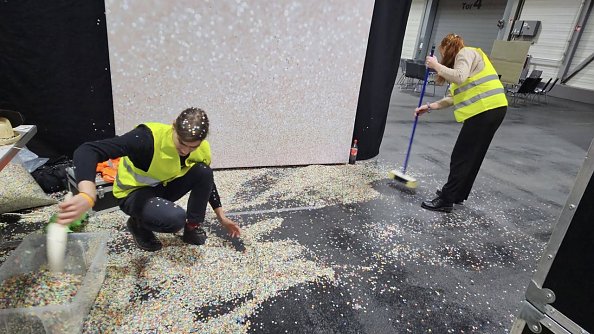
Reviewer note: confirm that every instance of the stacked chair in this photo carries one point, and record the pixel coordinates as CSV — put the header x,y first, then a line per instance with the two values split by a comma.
x,y
524,90
414,75
530,87
544,90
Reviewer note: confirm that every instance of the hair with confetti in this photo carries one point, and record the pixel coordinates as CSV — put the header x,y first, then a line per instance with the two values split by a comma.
x,y
192,125
449,48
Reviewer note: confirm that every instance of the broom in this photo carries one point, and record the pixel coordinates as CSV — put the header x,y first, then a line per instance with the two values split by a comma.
x,y
400,176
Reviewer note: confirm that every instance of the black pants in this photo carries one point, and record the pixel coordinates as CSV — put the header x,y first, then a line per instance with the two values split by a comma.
x,y
470,150
155,207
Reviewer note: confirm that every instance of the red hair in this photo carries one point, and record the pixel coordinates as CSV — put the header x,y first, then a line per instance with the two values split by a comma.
x,y
449,48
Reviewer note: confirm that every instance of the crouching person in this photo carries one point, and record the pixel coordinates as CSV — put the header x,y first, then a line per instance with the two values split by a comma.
x,y
160,163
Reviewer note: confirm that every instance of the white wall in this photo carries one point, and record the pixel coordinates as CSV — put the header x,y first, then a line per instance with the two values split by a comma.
x,y
279,79
413,26
585,77
557,21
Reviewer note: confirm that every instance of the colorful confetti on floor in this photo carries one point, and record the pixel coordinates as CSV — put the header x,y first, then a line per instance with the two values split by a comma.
x,y
327,249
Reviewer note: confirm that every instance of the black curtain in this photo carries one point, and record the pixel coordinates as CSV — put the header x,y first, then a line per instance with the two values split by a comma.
x,y
54,69
382,58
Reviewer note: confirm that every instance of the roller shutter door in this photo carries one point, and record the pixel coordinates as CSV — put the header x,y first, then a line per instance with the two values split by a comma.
x,y
474,20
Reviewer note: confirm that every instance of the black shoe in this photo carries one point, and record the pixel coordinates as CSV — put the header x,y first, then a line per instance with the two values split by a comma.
x,y
194,235
460,202
144,239
438,204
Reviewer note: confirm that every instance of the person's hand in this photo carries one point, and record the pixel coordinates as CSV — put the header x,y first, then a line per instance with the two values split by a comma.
x,y
422,109
231,226
71,209
431,62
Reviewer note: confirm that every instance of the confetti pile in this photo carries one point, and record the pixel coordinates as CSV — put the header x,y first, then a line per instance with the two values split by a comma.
x,y
38,289
209,289
18,190
313,185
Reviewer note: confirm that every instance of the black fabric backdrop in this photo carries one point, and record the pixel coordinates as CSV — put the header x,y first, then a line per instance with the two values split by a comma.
x,y
54,69
379,74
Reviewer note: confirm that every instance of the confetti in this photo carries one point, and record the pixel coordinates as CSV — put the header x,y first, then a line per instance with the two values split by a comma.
x,y
38,289
339,241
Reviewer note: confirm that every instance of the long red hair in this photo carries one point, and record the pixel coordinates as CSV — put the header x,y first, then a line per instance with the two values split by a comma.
x,y
449,48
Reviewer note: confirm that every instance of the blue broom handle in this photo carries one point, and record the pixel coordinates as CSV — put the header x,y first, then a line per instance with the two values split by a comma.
x,y
417,116
410,144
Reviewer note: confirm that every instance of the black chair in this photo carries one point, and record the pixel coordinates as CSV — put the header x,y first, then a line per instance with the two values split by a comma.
x,y
532,87
545,90
524,90
413,73
541,87
535,74
419,75
402,67
410,73
523,75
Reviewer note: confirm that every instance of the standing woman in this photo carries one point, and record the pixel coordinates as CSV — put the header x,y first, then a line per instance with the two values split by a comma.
x,y
479,103
160,164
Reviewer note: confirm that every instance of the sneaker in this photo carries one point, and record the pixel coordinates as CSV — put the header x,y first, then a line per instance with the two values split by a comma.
x,y
144,239
194,234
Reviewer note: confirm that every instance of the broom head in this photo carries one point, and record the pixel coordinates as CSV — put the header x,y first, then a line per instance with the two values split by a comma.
x,y
407,180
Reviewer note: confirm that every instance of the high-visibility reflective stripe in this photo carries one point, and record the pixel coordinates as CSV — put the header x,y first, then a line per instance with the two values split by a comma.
x,y
140,179
479,96
475,83
122,186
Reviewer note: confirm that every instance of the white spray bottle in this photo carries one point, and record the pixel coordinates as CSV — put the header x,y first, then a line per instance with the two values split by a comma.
x,y
57,238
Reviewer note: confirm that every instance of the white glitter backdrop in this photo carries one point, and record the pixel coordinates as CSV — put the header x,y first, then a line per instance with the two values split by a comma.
x,y
278,79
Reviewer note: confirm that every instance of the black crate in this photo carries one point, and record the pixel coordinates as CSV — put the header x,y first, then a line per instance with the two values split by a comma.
x,y
105,200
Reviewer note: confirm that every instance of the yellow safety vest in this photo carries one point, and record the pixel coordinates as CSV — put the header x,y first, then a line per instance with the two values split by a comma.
x,y
480,92
165,165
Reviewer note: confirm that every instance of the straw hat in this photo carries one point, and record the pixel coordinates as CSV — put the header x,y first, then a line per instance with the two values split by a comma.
x,y
8,119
